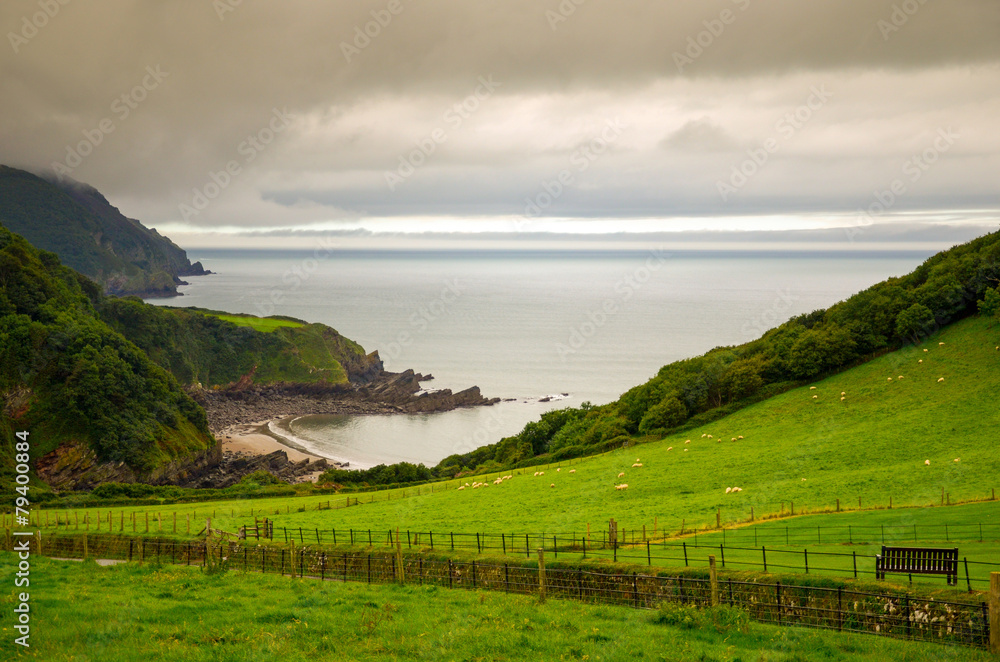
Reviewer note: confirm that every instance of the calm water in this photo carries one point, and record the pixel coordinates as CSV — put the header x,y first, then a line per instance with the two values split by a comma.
x,y
522,326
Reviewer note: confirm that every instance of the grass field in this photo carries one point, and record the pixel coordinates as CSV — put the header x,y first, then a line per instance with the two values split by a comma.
x,y
263,324
132,612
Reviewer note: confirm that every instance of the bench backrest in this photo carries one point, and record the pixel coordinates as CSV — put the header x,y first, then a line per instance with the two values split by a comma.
x,y
920,559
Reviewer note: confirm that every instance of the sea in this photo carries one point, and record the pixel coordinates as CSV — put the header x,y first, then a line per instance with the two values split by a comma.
x,y
538,329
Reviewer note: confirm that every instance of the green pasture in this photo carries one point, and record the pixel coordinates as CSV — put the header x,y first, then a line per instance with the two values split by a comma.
x,y
263,324
131,612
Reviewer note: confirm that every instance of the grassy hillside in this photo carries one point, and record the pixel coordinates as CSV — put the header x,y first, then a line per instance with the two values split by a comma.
x,y
132,612
69,379
949,286
795,448
89,235
213,349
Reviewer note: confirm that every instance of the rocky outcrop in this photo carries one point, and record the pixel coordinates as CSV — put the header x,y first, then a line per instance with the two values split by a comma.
x,y
235,466
75,466
389,393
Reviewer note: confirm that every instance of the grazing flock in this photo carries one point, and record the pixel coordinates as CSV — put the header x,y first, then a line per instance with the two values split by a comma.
x,y
622,486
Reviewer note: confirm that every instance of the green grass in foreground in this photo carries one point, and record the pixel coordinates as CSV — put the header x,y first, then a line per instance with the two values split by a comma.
x,y
128,612
263,324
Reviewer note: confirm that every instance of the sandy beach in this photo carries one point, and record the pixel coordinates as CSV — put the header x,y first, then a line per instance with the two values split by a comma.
x,y
256,439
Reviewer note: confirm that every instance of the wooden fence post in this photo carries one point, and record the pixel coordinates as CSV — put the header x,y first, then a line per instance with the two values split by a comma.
x,y
399,559
718,518
995,612
541,575
713,577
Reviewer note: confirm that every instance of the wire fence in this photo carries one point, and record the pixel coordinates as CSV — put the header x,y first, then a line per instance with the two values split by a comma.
x,y
893,614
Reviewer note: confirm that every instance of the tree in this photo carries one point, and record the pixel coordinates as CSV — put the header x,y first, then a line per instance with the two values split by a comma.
x,y
669,413
989,307
915,322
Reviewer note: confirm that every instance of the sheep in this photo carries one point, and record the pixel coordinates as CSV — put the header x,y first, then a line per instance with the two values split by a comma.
x,y
572,471
842,398
688,441
541,473
623,486
536,473
890,379
740,437
637,464
803,480
920,361
925,350
686,450
957,459
812,388
703,436
709,436
733,439
636,459
670,448
558,469
461,487
843,392
940,343
737,489
815,397
940,380
927,463
621,475
552,485
900,377
728,490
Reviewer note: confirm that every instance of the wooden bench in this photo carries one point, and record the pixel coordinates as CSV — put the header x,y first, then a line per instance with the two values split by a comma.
x,y
918,561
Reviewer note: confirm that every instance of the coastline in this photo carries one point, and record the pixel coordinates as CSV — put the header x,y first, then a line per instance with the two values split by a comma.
x,y
254,440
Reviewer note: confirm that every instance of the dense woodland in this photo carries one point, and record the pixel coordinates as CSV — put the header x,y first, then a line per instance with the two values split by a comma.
x,y
949,286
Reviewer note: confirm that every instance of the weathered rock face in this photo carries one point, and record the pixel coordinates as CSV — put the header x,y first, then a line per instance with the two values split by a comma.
x,y
389,393
234,467
74,466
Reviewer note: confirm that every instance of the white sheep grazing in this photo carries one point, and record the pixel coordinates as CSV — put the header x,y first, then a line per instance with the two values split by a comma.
x,y
685,450
738,489
623,486
920,361
842,398
703,436
740,437
927,462
536,473
843,392
728,490
636,459
621,475
461,487
803,480
941,380
815,397
688,441
637,464
890,379
670,448
940,343
541,473
957,459
572,471
812,388
733,439
552,485
558,469
925,350
709,436
900,377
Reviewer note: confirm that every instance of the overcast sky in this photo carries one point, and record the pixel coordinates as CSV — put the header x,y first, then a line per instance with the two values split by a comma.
x,y
510,116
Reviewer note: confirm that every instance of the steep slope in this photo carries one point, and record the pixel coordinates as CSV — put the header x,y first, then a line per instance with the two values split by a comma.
x,y
872,445
96,406
78,224
204,347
